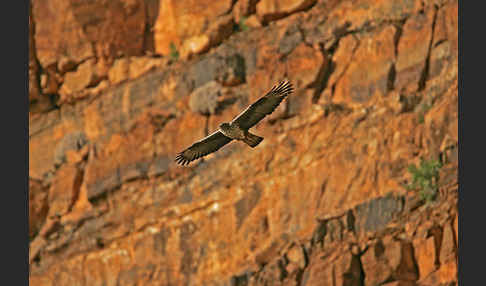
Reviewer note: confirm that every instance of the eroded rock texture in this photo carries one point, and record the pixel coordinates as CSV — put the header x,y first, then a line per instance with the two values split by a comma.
x,y
114,93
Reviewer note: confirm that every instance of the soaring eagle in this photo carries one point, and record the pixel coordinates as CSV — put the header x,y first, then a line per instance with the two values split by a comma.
x,y
237,129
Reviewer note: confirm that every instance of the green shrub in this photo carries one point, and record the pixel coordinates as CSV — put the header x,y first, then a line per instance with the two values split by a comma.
x,y
422,110
241,24
174,54
425,178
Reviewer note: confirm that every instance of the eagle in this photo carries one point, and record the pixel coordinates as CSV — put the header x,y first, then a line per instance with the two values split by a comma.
x,y
237,129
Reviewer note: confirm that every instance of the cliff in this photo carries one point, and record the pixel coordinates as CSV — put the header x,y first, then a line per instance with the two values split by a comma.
x,y
330,197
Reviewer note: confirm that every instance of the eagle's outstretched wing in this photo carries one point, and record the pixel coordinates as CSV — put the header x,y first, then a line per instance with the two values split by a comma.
x,y
201,148
263,106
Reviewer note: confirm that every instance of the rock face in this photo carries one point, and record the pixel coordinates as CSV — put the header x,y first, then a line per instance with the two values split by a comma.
x,y
321,201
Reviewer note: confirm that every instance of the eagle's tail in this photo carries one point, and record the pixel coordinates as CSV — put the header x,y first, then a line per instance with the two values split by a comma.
x,y
252,139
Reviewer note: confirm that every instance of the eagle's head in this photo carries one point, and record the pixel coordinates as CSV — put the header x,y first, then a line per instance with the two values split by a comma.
x,y
224,126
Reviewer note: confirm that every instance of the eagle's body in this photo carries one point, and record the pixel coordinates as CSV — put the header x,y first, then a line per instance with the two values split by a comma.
x,y
232,130
237,129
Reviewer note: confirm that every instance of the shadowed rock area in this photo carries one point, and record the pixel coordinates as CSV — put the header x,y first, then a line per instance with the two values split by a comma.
x,y
118,88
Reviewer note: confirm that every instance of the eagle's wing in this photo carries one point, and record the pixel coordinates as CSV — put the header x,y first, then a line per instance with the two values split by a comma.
x,y
263,106
201,148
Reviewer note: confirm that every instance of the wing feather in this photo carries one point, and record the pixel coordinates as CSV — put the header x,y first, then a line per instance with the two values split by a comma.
x,y
203,147
263,106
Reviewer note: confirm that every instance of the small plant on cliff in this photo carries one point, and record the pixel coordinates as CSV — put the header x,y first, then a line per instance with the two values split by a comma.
x,y
425,178
241,26
423,108
174,54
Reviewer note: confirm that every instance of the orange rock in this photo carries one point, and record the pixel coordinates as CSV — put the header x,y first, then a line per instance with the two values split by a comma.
x,y
381,260
297,256
448,247
407,270
445,39
73,157
194,45
141,65
35,247
448,271
332,270
65,64
55,36
119,71
49,227
413,49
351,17
114,144
131,68
270,10
38,206
425,256
342,57
243,8
93,123
367,75
76,156
41,159
130,161
78,80
176,22
253,22
82,208
220,29
291,268
99,88
306,65
446,26
77,36
50,81
82,203
64,190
